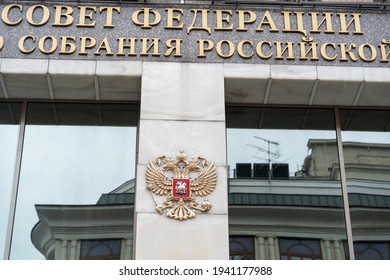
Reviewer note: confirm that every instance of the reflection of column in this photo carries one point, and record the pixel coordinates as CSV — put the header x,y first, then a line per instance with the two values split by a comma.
x,y
127,248
328,250
337,250
64,250
271,248
266,248
332,250
73,250
262,254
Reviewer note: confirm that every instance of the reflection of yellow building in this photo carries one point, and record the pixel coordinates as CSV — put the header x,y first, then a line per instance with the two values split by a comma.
x,y
300,217
367,161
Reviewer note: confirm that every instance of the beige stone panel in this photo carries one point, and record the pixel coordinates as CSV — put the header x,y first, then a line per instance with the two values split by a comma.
x,y
182,91
246,83
291,84
376,87
203,238
196,138
337,85
72,67
27,66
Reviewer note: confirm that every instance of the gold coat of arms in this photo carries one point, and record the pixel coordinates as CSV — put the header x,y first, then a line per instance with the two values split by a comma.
x,y
180,181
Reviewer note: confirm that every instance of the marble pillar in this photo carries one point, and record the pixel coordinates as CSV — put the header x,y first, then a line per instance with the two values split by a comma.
x,y
182,108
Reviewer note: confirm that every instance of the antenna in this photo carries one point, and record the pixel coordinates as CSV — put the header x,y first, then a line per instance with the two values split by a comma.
x,y
270,154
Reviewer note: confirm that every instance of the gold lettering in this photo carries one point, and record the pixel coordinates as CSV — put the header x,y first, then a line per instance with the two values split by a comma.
x,y
267,20
287,22
30,15
173,45
344,26
230,47
5,14
104,46
240,49
312,49
344,52
86,13
327,20
47,41
109,16
22,41
146,48
171,18
383,46
67,47
147,23
205,45
243,20
288,49
86,43
259,50
203,26
130,46
363,55
221,20
324,54
67,15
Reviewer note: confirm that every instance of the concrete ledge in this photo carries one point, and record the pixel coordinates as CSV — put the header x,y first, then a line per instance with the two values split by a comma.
x,y
24,66
119,68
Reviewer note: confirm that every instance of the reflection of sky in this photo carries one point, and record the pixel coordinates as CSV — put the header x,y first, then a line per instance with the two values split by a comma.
x,y
367,137
68,165
243,147
292,148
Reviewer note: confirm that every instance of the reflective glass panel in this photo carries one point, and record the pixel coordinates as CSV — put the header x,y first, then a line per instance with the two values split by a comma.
x,y
76,178
9,130
100,249
284,179
366,149
300,249
241,248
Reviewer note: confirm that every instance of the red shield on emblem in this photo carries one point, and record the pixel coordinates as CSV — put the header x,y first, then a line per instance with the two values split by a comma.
x,y
181,188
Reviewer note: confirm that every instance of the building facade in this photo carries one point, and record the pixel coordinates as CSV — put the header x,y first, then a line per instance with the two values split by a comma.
x,y
278,110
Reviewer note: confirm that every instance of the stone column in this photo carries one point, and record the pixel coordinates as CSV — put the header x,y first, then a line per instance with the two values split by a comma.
x,y
332,250
73,250
182,107
61,250
261,248
267,248
127,245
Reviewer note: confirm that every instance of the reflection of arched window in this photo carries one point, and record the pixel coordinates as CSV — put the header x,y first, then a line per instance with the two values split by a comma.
x,y
372,250
299,249
100,249
241,248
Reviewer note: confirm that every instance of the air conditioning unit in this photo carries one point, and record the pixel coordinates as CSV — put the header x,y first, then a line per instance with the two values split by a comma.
x,y
261,170
243,170
280,171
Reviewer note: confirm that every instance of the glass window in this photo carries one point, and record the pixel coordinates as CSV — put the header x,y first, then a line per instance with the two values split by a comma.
x,y
74,154
372,250
284,177
241,248
9,131
366,150
299,249
106,249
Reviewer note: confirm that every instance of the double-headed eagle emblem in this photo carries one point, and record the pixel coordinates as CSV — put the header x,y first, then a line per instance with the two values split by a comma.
x,y
172,179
